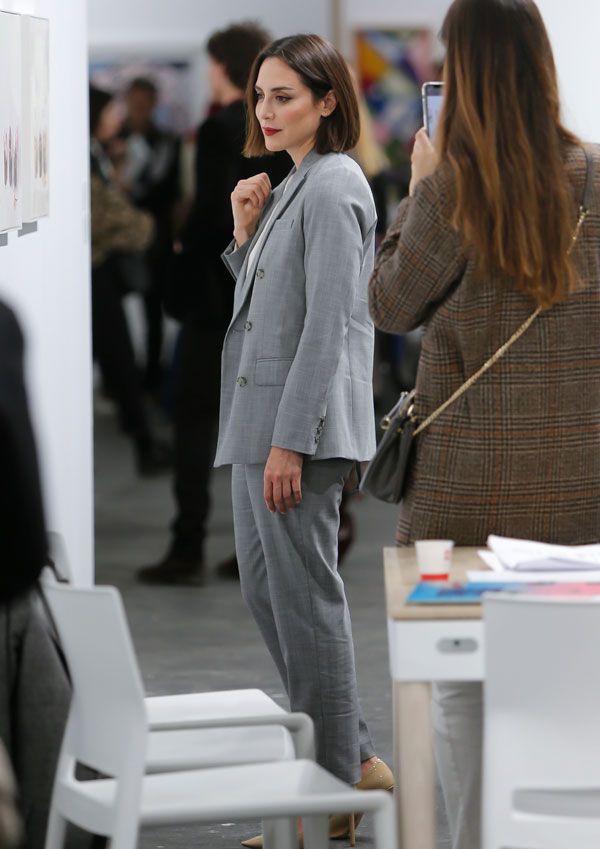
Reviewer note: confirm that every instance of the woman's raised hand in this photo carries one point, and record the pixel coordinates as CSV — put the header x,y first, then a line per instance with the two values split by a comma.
x,y
247,202
424,159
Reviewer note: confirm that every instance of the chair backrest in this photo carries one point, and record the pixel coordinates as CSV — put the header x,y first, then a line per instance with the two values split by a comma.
x,y
107,720
542,695
57,550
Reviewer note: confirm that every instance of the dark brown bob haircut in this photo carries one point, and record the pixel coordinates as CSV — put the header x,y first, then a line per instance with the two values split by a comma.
x,y
501,132
322,69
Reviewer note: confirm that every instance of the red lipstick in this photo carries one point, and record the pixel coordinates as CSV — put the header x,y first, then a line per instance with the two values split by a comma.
x,y
269,131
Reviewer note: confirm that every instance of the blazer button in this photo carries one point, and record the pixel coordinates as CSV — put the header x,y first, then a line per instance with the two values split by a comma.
x,y
260,273
241,381
248,325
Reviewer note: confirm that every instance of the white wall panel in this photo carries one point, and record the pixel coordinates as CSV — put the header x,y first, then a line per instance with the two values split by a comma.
x,y
45,277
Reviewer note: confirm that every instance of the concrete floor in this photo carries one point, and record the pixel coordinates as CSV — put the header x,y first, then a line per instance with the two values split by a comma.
x,y
203,638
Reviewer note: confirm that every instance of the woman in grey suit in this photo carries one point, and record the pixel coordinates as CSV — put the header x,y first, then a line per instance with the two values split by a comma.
x,y
296,394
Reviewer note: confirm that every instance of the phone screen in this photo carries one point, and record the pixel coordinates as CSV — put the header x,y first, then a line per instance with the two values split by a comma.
x,y
433,96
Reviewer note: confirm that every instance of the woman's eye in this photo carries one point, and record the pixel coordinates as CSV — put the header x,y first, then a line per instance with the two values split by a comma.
x,y
281,98
259,96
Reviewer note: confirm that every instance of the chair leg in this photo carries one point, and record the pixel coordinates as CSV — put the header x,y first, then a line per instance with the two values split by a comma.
x,y
386,835
316,831
56,831
280,833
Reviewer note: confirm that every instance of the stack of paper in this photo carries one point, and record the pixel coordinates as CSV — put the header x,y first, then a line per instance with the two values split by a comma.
x,y
525,560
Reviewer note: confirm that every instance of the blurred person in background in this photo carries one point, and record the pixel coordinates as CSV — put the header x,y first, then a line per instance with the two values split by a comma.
x,y
119,231
201,296
150,176
492,237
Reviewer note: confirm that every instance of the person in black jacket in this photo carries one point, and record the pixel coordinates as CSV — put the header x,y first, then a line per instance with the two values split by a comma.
x,y
201,294
151,176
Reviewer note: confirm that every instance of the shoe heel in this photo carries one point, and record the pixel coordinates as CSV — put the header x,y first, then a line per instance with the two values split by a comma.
x,y
352,829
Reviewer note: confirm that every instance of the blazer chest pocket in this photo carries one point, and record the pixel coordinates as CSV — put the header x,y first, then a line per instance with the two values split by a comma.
x,y
283,224
272,371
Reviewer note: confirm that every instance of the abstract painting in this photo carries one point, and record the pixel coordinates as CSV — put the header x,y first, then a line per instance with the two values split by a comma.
x,y
11,130
36,112
392,65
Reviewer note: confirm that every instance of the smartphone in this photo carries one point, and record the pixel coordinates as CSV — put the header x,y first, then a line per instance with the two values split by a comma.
x,y
432,95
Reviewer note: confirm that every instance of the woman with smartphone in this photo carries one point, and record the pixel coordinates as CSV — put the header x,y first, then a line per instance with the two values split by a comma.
x,y
491,242
296,391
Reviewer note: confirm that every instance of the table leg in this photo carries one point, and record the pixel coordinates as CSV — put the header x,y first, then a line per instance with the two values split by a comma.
x,y
414,766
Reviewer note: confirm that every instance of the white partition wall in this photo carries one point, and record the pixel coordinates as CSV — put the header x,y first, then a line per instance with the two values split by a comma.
x,y
573,29
44,276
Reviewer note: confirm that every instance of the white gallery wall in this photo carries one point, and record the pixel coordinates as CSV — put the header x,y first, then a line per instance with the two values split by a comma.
x,y
44,276
573,29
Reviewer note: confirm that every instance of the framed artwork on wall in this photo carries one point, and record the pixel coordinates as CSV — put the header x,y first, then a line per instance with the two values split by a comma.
x,y
11,130
392,64
36,115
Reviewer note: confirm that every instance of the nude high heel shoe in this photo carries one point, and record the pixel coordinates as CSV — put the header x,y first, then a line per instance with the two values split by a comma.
x,y
343,826
378,777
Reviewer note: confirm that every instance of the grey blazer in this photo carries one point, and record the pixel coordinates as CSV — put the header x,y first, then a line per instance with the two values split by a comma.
x,y
298,355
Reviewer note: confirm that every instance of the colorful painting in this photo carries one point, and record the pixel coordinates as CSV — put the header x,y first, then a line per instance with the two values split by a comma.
x,y
11,131
392,65
36,115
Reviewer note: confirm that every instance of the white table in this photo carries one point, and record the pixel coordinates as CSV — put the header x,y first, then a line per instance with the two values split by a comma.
x,y
426,643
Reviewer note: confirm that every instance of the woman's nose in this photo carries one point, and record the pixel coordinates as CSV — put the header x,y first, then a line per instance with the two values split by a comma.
x,y
264,111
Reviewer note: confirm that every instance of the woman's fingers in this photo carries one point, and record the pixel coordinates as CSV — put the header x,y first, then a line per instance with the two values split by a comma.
x,y
268,493
278,498
288,495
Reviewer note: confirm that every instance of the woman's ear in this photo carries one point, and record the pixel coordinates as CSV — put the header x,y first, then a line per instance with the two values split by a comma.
x,y
328,104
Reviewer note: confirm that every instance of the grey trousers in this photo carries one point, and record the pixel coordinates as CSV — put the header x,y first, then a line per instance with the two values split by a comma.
x,y
290,582
458,740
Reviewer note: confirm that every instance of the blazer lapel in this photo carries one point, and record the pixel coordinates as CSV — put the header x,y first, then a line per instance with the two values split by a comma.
x,y
297,180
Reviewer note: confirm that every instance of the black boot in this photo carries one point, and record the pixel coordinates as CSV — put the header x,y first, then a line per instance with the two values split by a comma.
x,y
153,457
172,570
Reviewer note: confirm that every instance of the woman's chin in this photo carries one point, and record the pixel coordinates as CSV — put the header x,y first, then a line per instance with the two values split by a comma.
x,y
273,144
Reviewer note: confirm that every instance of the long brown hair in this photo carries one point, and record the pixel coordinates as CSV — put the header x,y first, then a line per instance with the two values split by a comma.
x,y
501,132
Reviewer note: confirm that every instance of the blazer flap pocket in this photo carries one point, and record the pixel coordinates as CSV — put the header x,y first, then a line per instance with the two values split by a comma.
x,y
272,371
283,223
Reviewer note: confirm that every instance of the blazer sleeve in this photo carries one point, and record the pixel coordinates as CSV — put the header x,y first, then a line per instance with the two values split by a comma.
x,y
419,259
337,219
234,257
23,547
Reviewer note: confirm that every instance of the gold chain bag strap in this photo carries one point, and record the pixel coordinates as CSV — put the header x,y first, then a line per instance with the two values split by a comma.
x,y
387,473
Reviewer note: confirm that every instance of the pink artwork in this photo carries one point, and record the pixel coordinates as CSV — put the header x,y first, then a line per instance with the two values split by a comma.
x,y
35,79
11,132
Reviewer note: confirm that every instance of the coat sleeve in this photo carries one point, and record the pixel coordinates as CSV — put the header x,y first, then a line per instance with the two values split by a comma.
x,y
338,216
419,259
234,257
23,548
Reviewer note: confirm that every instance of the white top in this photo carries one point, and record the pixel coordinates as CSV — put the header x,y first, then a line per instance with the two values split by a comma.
x,y
261,238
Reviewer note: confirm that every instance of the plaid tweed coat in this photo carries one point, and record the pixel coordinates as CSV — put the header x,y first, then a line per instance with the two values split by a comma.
x,y
519,453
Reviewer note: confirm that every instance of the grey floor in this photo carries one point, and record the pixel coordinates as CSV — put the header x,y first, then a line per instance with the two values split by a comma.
x,y
202,638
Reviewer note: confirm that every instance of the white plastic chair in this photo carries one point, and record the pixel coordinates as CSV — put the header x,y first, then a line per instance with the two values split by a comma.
x,y
108,731
277,734
541,785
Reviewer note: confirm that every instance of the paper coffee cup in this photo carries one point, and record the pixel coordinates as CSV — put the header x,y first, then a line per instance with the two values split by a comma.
x,y
434,558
